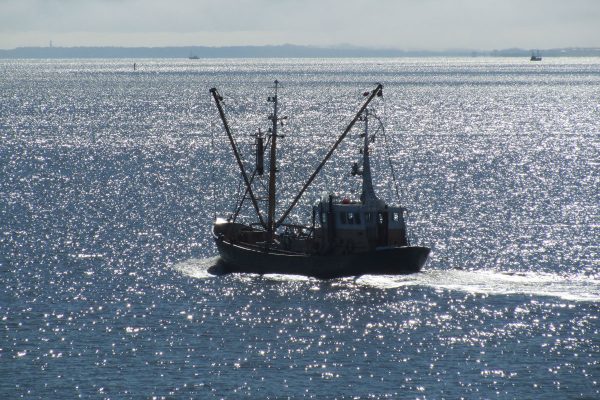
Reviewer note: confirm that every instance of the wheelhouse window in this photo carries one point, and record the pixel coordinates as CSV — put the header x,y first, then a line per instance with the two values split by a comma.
x,y
324,218
350,217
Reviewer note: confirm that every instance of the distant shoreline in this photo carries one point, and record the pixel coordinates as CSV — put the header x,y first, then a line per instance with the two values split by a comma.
x,y
279,51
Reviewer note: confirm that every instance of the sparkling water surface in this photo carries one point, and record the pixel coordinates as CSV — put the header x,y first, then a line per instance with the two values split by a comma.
x,y
110,178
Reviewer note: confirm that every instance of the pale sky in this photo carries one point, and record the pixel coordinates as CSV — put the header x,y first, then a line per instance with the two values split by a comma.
x,y
398,24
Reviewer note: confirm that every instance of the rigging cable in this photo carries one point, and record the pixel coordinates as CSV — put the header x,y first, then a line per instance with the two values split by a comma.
x,y
413,237
233,216
387,150
212,169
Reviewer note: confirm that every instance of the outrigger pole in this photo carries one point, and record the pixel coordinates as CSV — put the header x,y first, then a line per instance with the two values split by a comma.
x,y
376,92
218,99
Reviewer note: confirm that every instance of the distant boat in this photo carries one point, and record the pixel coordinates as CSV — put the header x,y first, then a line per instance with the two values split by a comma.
x,y
345,237
535,56
194,57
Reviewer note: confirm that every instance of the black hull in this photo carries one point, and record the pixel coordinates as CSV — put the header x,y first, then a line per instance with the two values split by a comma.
x,y
384,261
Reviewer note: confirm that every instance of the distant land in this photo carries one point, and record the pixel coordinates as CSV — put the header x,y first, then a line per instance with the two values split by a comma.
x,y
278,51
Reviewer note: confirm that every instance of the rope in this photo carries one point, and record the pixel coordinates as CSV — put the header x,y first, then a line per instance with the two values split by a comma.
x,y
239,203
212,172
387,151
396,186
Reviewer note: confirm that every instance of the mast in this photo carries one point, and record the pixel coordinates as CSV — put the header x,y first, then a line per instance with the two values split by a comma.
x,y
376,92
368,195
217,97
272,167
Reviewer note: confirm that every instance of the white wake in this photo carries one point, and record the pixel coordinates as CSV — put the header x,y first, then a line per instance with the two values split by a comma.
x,y
575,288
196,267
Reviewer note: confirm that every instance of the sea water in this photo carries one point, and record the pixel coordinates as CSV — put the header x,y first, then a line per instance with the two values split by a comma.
x,y
110,179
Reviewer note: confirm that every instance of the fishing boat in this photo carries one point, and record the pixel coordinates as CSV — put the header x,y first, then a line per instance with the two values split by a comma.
x,y
343,236
535,56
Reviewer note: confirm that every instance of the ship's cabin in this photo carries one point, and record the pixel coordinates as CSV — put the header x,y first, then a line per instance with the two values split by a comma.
x,y
350,226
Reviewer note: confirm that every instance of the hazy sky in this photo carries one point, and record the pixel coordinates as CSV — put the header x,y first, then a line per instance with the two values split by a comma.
x,y
401,24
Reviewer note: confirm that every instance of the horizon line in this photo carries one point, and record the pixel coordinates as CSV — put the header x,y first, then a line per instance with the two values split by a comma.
x,y
341,46
275,51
